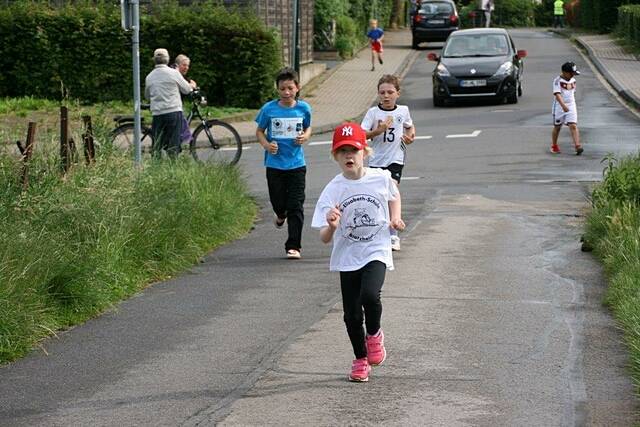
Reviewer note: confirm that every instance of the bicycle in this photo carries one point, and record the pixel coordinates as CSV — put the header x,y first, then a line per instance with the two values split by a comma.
x,y
212,140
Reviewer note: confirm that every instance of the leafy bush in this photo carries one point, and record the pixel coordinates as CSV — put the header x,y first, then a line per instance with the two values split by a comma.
x,y
513,13
80,51
346,36
349,34
71,248
543,13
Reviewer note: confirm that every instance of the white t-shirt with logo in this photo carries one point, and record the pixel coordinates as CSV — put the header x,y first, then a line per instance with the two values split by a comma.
x,y
387,147
363,234
566,89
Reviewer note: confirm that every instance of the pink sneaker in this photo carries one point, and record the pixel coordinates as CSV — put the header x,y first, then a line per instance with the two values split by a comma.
x,y
376,352
360,370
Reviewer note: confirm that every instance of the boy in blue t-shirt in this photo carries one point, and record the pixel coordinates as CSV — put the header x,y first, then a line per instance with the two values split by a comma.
x,y
283,126
375,35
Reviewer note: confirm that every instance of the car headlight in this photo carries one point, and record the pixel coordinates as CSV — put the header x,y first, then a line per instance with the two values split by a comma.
x,y
505,69
442,71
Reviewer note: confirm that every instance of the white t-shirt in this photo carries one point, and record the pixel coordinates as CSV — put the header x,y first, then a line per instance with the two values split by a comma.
x,y
363,234
387,147
566,89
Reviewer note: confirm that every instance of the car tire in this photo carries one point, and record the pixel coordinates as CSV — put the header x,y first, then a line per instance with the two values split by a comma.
x,y
414,43
519,88
512,99
438,101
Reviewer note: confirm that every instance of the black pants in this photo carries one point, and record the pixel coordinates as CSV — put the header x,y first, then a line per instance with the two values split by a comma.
x,y
361,303
558,21
286,192
166,130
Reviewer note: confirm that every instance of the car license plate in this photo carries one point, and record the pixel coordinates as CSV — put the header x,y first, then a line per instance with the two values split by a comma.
x,y
435,21
473,83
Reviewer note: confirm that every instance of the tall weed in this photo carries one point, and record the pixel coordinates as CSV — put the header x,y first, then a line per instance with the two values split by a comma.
x,y
71,247
613,230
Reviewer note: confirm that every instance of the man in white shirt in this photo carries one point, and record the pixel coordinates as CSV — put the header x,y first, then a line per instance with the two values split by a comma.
x,y
487,7
163,86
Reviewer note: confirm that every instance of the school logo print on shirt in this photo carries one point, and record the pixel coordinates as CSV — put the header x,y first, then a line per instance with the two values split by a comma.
x,y
359,213
286,127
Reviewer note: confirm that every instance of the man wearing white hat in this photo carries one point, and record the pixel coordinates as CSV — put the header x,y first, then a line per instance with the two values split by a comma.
x,y
163,86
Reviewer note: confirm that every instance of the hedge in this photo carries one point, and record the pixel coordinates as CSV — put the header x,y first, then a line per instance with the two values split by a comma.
x,y
601,15
81,51
629,24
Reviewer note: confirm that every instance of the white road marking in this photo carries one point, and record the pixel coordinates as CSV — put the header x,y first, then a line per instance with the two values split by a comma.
x,y
320,143
466,135
411,178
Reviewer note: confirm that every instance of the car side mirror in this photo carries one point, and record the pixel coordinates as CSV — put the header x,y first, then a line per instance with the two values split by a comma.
x,y
521,53
432,57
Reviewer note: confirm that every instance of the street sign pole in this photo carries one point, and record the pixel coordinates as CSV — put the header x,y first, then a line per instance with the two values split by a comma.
x,y
135,38
130,10
296,35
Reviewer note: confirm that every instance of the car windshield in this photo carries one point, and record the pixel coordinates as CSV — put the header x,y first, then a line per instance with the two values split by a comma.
x,y
476,45
435,8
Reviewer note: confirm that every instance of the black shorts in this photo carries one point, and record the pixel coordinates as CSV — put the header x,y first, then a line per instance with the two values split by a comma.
x,y
394,168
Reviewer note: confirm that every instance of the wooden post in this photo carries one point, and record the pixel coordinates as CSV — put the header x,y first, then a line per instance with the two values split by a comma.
x,y
65,152
26,152
87,138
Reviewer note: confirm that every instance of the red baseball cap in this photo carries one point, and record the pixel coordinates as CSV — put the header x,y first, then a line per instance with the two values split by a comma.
x,y
349,134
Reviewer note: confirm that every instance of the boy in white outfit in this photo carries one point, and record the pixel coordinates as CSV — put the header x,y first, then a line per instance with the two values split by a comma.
x,y
564,108
390,128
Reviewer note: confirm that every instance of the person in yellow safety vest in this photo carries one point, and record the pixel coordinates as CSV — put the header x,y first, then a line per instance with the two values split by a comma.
x,y
558,13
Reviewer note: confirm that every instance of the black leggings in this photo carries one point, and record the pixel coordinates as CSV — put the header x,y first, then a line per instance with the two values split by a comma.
x,y
361,290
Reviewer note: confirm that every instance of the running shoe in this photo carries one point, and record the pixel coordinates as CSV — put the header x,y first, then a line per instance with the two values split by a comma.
x,y
360,370
555,149
395,243
579,150
293,254
278,222
376,353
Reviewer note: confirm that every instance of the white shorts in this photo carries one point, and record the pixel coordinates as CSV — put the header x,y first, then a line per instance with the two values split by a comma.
x,y
562,118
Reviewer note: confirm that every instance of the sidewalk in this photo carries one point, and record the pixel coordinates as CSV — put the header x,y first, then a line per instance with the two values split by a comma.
x,y
620,69
348,90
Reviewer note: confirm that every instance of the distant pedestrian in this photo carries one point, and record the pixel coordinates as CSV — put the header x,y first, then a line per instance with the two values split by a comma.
x,y
564,110
558,14
390,128
182,64
375,35
356,210
163,86
283,126
487,8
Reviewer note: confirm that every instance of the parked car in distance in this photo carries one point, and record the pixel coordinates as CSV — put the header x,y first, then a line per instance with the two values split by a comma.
x,y
478,63
433,21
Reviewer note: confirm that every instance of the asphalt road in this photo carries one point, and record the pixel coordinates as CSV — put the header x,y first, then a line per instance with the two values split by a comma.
x,y
493,315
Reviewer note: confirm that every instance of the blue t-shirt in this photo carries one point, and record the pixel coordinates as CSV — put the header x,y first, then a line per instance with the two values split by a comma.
x,y
375,34
283,124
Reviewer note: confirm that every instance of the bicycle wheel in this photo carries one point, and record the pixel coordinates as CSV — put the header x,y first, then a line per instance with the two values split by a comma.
x,y
123,138
216,142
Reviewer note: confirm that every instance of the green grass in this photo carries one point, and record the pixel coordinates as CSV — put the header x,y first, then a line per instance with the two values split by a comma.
x,y
613,230
71,247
